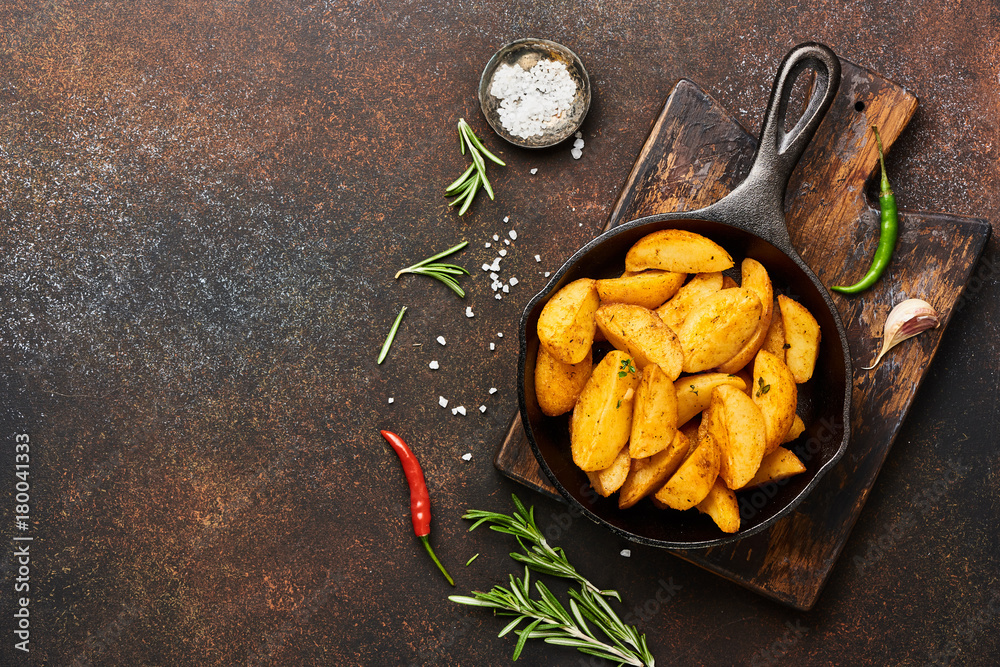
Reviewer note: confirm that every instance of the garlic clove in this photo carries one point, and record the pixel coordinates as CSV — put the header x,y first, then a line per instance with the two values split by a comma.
x,y
905,320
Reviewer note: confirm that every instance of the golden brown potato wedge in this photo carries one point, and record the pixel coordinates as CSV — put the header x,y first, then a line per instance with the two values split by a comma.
x,y
728,283
602,417
747,378
674,312
647,475
677,250
694,392
609,480
756,280
779,464
802,336
691,431
566,324
775,393
798,426
694,478
558,385
641,333
654,415
718,328
743,448
721,505
649,289
774,341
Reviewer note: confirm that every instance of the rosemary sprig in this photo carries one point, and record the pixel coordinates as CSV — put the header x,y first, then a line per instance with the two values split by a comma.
x,y
443,272
549,619
540,557
465,187
392,335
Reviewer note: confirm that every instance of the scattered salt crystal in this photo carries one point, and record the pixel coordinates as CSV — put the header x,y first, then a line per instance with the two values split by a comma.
x,y
482,408
496,237
579,143
487,244
441,340
512,234
467,456
506,289
499,334
498,296
513,281
538,258
434,365
460,410
626,552
506,218
391,399
494,276
493,346
468,312
578,135
576,153
493,390
502,252
506,241
486,267
547,274
534,171
442,401
496,265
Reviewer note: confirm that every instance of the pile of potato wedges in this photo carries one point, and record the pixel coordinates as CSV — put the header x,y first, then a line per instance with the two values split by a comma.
x,y
700,390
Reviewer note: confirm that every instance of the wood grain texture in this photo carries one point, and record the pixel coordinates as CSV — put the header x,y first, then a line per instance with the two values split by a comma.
x,y
696,153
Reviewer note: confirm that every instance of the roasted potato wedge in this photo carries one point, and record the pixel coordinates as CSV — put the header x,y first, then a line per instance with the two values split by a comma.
x,y
675,311
607,481
558,385
802,336
798,426
677,250
721,505
728,283
691,431
743,447
694,478
649,289
602,417
774,341
566,324
654,414
694,392
779,464
718,328
647,475
756,280
640,331
776,394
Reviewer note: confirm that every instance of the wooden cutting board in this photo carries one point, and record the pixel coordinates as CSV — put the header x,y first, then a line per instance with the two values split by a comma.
x,y
695,154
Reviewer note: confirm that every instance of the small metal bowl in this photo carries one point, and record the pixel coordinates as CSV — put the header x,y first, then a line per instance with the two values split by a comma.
x,y
526,53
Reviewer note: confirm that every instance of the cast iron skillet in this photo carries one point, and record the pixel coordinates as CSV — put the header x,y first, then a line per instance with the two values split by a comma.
x,y
748,222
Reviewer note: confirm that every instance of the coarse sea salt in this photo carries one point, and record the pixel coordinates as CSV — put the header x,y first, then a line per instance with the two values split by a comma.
x,y
442,401
441,340
434,365
534,99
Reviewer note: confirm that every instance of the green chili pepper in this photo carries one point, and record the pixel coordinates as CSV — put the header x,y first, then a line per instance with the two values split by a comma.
x,y
888,234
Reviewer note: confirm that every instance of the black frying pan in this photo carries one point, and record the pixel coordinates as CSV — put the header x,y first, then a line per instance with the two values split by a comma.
x,y
748,222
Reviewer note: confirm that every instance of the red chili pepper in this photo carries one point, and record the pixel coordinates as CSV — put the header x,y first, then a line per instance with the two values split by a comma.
x,y
420,499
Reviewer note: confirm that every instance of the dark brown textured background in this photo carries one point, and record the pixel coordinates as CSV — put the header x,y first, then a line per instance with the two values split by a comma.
x,y
202,205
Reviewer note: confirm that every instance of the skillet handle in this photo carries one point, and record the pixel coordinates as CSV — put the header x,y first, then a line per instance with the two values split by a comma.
x,y
779,151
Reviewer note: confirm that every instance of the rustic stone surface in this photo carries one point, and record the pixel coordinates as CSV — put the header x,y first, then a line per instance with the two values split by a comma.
x,y
202,206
